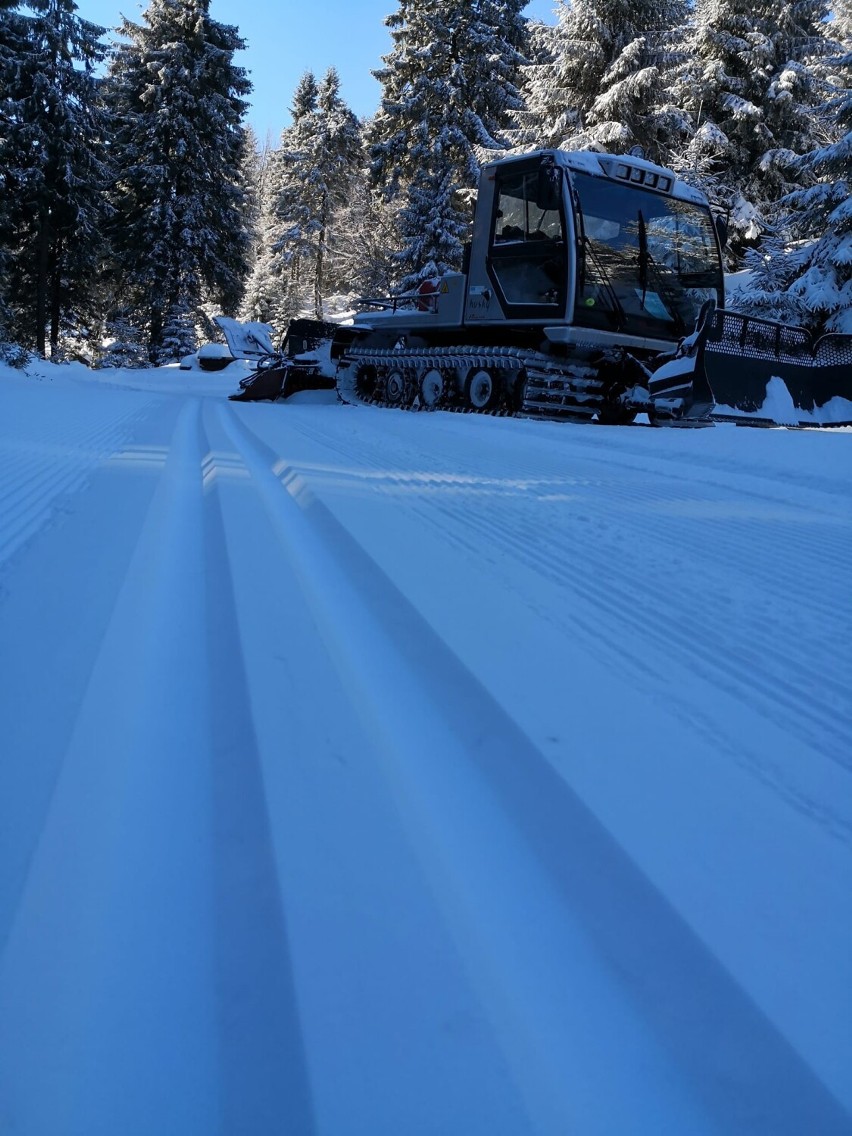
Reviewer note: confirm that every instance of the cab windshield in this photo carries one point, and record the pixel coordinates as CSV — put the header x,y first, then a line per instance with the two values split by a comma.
x,y
646,262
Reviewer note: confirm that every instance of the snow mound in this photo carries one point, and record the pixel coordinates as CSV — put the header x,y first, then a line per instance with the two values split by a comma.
x,y
779,407
214,351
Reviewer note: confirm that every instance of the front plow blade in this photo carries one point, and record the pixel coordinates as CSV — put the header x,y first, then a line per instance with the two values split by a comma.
x,y
762,372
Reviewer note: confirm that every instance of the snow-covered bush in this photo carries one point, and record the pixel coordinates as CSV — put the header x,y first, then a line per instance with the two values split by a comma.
x,y
12,355
123,346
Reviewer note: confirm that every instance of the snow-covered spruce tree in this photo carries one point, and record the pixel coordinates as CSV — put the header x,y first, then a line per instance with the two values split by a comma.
x,y
12,50
773,265
261,290
180,237
52,157
339,156
601,81
123,344
819,274
632,108
547,116
289,226
448,90
841,27
263,297
751,85
253,172
310,179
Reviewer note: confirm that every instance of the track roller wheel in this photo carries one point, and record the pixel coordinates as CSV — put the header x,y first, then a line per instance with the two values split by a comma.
x,y
517,390
481,391
432,387
397,389
365,380
616,414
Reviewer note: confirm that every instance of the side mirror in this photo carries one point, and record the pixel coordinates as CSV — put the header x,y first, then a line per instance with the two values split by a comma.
x,y
721,229
548,194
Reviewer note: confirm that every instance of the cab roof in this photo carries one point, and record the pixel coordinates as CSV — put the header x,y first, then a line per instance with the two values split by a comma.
x,y
616,167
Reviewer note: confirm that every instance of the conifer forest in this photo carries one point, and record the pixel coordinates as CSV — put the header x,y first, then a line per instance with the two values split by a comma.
x,y
136,203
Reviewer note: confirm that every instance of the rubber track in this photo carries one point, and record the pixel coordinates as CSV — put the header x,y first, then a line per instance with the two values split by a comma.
x,y
576,383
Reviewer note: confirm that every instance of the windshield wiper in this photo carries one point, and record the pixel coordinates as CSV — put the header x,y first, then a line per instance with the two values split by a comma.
x,y
647,265
587,248
644,258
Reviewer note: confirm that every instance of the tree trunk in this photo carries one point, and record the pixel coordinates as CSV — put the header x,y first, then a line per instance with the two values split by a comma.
x,y
43,255
155,337
55,297
318,275
318,282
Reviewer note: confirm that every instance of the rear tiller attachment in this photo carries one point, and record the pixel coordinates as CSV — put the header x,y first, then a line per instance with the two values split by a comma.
x,y
301,363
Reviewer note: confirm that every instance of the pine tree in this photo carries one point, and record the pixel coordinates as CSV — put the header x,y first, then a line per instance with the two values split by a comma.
x,y
52,157
252,174
601,83
841,27
751,89
310,179
263,292
122,344
292,222
181,236
546,117
448,89
12,51
772,267
335,165
822,215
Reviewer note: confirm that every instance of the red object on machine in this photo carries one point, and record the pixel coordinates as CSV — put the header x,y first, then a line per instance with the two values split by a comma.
x,y
427,296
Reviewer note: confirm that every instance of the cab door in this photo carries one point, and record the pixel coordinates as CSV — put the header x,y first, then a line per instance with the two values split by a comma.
x,y
527,252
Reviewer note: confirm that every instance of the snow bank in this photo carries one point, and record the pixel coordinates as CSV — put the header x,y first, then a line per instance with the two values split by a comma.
x,y
779,407
171,379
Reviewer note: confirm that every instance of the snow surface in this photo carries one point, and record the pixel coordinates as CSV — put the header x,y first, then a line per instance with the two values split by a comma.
x,y
369,772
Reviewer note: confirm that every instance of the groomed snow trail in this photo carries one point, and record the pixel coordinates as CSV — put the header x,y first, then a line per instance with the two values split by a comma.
x,y
369,773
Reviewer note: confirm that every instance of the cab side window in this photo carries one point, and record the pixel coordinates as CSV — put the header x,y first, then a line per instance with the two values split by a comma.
x,y
527,245
518,218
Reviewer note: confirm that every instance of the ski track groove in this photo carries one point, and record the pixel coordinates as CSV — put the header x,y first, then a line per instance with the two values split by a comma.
x,y
592,443
611,652
835,550
30,495
756,644
109,886
782,700
722,549
256,1089
422,702
733,470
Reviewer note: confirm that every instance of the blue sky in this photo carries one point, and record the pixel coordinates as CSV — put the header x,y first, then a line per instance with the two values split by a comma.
x,y
284,40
